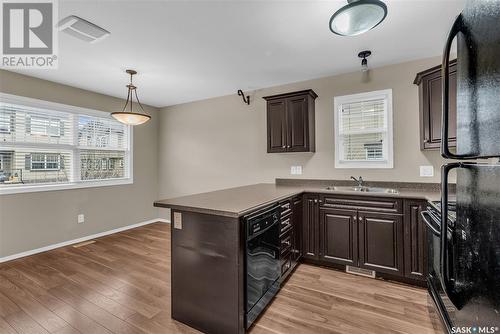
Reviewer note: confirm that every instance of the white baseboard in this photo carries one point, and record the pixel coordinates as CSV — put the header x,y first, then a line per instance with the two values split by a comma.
x,y
76,241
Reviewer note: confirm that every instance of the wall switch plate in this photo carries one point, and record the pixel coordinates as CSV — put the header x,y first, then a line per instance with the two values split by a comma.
x,y
178,220
81,218
427,171
296,170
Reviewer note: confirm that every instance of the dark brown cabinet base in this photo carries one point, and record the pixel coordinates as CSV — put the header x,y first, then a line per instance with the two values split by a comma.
x,y
386,235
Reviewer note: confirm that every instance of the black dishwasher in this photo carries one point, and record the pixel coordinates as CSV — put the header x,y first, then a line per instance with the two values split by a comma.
x,y
262,260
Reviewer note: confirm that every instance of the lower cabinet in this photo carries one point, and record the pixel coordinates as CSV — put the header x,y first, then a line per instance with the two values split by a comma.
x,y
381,242
415,240
383,234
310,227
338,236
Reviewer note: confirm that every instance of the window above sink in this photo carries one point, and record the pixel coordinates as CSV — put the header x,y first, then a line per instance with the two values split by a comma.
x,y
363,130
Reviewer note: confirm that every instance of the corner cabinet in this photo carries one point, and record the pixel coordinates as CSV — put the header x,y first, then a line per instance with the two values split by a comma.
x,y
430,106
290,122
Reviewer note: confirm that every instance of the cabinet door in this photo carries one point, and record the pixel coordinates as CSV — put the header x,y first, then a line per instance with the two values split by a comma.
x,y
415,242
297,124
381,242
432,108
310,228
276,126
297,217
338,235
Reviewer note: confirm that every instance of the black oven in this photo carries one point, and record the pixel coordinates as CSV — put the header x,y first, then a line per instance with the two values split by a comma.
x,y
262,260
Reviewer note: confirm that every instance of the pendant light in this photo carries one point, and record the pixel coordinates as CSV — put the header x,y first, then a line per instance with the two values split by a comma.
x,y
364,62
128,116
357,17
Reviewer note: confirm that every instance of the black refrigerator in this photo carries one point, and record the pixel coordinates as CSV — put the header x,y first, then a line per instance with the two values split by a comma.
x,y
464,227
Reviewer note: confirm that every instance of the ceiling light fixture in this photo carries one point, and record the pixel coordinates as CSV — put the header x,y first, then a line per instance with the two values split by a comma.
x,y
130,117
364,62
357,17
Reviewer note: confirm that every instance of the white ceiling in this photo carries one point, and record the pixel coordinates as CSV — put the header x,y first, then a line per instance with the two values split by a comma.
x,y
191,50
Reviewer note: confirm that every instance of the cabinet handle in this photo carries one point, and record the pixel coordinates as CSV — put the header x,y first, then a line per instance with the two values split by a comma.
x,y
288,146
315,201
284,146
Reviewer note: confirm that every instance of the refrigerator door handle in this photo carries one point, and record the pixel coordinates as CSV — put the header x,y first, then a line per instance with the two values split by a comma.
x,y
445,75
446,280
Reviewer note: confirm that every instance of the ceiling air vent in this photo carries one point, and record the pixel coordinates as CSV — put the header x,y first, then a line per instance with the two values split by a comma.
x,y
82,29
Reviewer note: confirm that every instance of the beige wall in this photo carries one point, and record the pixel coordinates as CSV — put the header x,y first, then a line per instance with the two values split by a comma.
x,y
221,142
33,220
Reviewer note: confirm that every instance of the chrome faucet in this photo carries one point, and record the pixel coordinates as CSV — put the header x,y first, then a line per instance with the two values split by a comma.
x,y
359,181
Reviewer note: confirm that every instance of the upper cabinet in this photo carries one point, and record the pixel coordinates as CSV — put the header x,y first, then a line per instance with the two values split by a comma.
x,y
290,122
430,105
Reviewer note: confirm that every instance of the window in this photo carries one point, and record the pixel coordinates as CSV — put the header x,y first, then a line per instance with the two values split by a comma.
x,y
45,161
44,126
363,130
6,120
46,146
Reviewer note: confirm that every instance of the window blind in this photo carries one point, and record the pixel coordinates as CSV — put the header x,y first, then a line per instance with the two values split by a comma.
x,y
42,146
363,130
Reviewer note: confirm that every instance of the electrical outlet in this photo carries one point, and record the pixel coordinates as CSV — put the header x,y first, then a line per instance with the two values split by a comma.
x,y
296,170
427,171
178,220
81,218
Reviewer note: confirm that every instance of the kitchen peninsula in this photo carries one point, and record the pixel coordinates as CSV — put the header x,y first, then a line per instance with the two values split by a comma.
x,y
377,230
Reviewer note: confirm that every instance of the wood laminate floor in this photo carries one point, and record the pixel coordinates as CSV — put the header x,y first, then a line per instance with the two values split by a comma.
x,y
121,284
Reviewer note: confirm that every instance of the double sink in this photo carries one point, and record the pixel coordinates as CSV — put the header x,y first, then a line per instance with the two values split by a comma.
x,y
364,189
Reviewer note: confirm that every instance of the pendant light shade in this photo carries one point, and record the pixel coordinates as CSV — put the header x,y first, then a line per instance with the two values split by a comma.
x,y
128,115
357,17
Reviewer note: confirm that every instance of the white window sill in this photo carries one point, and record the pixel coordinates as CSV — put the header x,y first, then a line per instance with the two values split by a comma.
x,y
22,188
364,164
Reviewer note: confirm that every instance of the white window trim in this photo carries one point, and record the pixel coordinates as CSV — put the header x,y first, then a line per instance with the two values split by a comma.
x,y
45,169
337,103
36,103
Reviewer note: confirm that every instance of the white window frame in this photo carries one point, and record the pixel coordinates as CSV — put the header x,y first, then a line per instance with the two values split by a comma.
x,y
45,162
1,161
338,101
35,103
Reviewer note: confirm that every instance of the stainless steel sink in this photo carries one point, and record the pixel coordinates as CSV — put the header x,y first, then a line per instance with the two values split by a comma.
x,y
364,189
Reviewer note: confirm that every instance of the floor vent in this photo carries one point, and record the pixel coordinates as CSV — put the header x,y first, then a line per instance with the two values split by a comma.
x,y
85,243
360,271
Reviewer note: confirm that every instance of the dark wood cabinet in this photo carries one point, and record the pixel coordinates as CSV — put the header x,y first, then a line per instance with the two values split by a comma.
x,y
290,122
310,227
297,228
430,105
415,240
381,242
338,236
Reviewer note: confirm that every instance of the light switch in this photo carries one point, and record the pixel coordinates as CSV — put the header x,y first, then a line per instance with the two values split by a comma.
x,y
178,220
427,171
81,219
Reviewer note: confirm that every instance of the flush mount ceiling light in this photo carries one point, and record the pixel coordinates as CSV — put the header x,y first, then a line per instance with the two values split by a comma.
x,y
128,116
357,17
364,62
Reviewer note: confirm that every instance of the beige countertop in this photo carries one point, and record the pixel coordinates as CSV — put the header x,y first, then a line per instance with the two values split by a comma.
x,y
235,202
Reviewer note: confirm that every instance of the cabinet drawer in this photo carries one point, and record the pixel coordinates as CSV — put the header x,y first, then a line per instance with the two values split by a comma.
x,y
286,263
363,203
285,224
286,208
286,242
